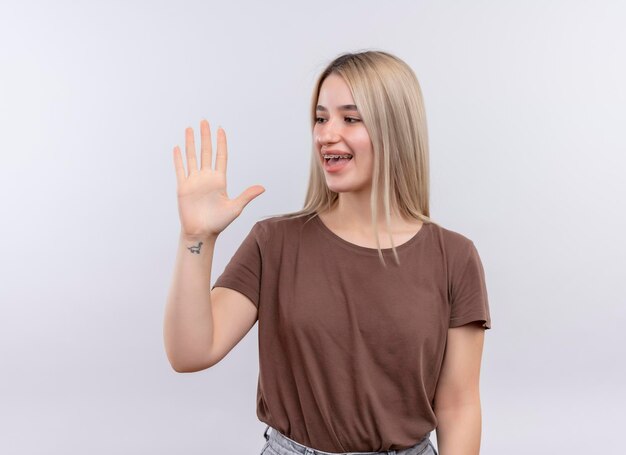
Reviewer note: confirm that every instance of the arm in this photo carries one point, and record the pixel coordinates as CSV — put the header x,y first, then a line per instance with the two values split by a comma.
x,y
188,325
457,398
202,326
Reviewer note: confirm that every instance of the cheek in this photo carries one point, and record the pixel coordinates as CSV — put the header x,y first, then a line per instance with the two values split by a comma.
x,y
363,143
364,146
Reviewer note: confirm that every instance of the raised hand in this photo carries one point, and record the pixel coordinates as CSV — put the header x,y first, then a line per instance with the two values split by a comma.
x,y
203,204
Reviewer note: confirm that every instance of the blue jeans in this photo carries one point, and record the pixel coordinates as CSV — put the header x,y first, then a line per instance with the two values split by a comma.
x,y
279,444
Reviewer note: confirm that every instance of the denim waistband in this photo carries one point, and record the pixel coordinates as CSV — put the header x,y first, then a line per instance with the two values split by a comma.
x,y
282,445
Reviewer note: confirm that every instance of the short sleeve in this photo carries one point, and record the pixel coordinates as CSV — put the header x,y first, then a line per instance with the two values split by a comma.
x,y
243,271
468,293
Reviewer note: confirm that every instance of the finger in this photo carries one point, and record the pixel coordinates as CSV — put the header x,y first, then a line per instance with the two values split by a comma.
x,y
207,150
246,197
222,154
178,166
190,149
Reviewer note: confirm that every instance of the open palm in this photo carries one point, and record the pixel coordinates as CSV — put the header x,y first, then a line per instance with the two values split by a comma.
x,y
203,203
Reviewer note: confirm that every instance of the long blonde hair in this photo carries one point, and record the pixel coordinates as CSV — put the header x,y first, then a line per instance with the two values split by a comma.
x,y
389,100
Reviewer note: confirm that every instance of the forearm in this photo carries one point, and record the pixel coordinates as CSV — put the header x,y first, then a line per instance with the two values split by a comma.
x,y
459,429
188,325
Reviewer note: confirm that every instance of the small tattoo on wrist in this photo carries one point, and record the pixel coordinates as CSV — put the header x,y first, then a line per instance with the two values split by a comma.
x,y
196,248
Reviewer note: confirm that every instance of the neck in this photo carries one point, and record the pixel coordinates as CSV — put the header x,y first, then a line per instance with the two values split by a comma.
x,y
352,212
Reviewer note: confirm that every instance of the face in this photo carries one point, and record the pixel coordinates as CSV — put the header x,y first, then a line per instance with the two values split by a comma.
x,y
339,130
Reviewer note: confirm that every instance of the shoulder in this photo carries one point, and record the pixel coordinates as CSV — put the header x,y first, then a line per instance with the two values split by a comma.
x,y
455,246
452,239
282,222
279,226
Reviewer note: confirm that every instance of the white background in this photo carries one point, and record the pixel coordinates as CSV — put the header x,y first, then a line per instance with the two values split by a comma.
x,y
526,110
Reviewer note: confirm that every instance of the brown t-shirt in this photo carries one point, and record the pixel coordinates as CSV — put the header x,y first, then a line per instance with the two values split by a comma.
x,y
350,352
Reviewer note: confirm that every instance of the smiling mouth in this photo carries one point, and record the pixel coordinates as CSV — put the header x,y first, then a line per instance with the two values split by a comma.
x,y
333,159
335,163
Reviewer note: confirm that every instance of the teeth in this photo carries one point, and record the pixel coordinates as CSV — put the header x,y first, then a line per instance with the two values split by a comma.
x,y
336,156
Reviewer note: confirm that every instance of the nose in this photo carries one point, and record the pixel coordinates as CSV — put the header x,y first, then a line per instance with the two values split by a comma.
x,y
328,134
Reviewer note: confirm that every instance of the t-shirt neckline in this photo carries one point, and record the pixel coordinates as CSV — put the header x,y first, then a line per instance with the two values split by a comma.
x,y
363,249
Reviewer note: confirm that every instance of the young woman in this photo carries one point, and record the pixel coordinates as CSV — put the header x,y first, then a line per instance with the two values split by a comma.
x,y
367,342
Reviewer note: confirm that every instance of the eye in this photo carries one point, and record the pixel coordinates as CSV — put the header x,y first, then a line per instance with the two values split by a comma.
x,y
352,119
318,119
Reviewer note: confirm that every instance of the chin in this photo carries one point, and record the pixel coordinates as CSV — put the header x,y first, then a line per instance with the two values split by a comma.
x,y
347,188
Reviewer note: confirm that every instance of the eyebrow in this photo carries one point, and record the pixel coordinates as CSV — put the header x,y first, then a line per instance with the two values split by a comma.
x,y
345,107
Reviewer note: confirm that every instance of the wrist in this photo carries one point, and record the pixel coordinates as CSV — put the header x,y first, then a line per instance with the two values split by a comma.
x,y
191,238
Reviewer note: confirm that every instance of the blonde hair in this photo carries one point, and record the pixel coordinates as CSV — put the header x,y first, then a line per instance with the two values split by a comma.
x,y
389,100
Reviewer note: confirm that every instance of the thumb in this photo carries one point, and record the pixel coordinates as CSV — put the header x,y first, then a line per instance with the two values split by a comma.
x,y
250,193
